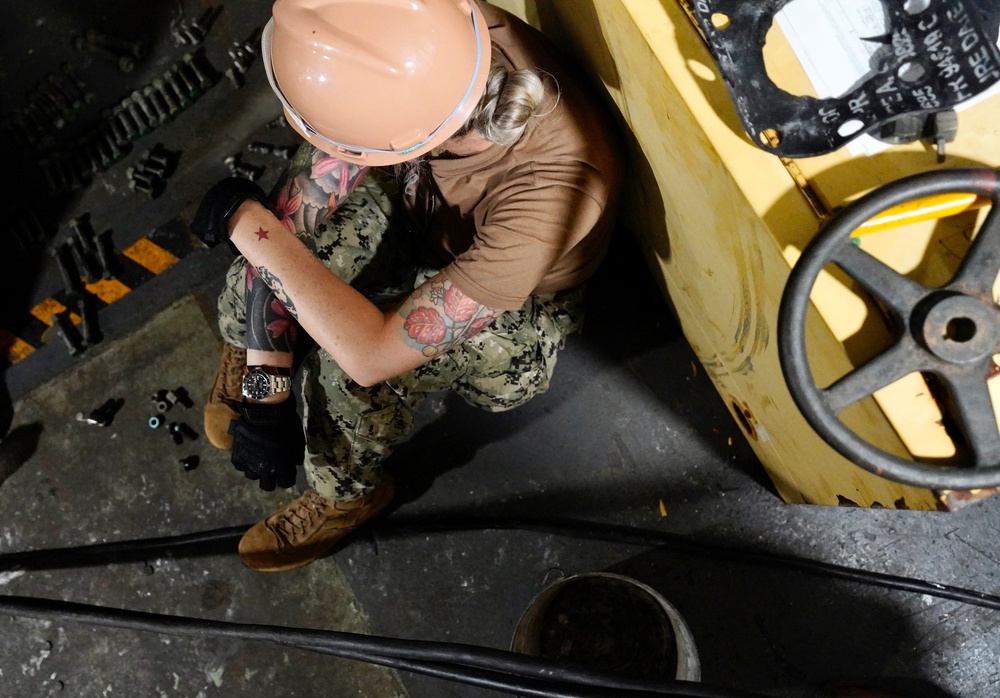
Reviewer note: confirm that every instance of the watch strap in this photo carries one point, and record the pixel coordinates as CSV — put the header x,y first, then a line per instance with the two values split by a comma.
x,y
281,384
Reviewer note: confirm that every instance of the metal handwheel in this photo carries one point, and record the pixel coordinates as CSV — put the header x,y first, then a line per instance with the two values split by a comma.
x,y
950,332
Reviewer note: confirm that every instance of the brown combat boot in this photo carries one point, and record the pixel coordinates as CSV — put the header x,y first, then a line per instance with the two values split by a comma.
x,y
227,393
308,529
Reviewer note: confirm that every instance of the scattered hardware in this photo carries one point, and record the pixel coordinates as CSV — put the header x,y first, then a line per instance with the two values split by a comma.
x,y
106,254
155,422
238,168
183,397
938,128
87,305
278,122
134,116
62,325
179,431
165,399
282,151
103,415
121,52
243,55
150,173
189,462
63,254
83,244
193,32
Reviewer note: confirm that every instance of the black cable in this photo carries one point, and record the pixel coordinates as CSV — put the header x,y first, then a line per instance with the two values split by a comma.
x,y
468,664
192,544
225,539
675,543
495,669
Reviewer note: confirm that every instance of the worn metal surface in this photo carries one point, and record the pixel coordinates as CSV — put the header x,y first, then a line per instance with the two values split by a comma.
x,y
70,483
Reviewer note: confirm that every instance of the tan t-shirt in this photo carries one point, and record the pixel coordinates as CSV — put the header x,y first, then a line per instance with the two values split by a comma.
x,y
535,216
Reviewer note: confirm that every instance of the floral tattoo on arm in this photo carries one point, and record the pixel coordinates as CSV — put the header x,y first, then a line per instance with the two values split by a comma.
x,y
270,325
437,316
275,285
315,185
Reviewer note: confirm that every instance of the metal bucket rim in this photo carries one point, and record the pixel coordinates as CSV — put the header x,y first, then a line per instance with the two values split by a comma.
x,y
688,663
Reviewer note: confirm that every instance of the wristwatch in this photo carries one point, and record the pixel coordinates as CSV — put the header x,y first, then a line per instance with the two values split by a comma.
x,y
261,382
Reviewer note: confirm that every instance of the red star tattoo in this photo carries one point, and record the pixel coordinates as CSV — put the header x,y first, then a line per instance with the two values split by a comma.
x,y
262,234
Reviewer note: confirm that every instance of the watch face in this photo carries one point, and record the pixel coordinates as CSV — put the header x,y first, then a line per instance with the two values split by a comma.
x,y
256,385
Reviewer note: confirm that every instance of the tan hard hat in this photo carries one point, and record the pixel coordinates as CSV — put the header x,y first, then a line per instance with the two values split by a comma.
x,y
377,82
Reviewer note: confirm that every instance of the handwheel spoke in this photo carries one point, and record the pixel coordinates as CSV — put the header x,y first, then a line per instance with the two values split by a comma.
x,y
898,361
895,290
979,268
971,398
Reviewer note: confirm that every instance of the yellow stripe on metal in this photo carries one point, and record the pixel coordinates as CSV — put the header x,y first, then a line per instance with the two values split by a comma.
x,y
108,290
925,208
49,307
13,347
148,254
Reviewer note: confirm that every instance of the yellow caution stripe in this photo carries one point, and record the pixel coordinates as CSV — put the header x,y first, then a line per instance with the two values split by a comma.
x,y
146,253
108,290
49,307
151,256
14,348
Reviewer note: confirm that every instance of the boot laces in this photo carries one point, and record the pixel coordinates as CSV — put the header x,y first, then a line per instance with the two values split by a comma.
x,y
301,518
229,380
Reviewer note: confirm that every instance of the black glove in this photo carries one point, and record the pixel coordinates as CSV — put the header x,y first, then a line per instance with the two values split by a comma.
x,y
211,220
268,443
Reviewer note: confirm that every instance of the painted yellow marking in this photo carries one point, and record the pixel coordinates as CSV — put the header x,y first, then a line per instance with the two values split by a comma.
x,y
108,290
922,209
49,307
663,509
148,254
13,347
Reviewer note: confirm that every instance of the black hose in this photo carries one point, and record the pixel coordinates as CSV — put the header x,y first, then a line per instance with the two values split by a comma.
x,y
486,668
219,540
225,540
675,543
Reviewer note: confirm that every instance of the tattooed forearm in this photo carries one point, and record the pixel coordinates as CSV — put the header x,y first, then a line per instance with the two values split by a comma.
x,y
270,326
274,283
315,186
437,316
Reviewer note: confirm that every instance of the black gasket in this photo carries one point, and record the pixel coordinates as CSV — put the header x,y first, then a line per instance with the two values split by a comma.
x,y
938,53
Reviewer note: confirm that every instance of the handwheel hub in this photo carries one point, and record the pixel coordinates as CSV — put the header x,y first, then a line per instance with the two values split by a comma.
x,y
962,329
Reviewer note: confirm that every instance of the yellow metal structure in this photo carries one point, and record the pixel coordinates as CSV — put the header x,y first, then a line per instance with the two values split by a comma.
x,y
722,221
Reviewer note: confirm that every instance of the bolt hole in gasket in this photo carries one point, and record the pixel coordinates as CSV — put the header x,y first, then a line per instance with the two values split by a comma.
x,y
937,54
949,334
960,329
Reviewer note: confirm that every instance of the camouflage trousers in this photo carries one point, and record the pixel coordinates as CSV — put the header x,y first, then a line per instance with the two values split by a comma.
x,y
351,429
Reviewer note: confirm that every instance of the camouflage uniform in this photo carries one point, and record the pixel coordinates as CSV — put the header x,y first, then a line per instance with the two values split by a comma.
x,y
350,429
